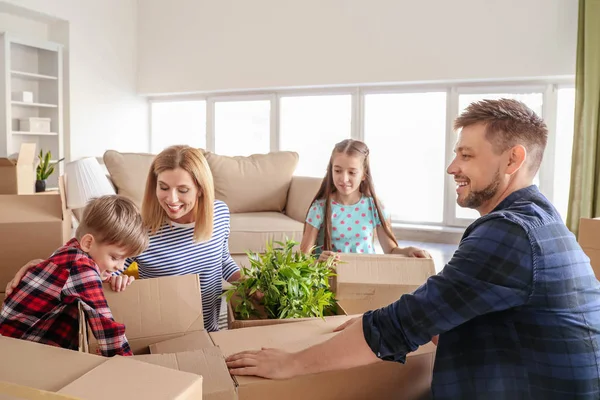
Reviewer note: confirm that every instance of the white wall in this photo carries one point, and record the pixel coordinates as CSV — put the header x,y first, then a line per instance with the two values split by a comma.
x,y
105,110
206,45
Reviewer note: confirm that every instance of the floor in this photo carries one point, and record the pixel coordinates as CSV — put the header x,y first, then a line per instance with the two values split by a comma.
x,y
440,252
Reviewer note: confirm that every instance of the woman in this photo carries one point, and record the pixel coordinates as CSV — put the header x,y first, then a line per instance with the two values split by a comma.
x,y
189,229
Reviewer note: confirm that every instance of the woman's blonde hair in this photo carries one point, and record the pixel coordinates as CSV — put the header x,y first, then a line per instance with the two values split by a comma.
x,y
191,160
114,220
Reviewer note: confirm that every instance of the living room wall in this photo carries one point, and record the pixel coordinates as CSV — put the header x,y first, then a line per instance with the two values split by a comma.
x,y
101,40
205,45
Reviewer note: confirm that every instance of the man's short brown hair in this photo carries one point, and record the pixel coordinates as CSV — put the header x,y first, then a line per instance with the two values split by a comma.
x,y
114,220
508,123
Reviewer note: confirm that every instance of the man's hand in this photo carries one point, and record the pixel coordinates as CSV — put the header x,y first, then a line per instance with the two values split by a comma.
x,y
11,285
118,283
266,363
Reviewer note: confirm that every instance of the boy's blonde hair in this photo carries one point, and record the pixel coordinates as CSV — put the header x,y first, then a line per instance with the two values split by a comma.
x,y
114,220
192,161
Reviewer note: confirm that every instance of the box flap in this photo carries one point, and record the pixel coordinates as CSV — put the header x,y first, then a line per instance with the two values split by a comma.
x,y
7,162
589,233
26,154
10,391
190,341
42,366
144,381
31,208
208,362
157,308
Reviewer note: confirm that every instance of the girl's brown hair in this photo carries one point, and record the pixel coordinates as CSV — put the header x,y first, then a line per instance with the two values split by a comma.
x,y
191,160
353,148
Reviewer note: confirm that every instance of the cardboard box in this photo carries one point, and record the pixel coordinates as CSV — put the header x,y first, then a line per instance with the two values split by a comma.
x,y
589,240
74,374
383,380
18,176
31,226
153,310
363,282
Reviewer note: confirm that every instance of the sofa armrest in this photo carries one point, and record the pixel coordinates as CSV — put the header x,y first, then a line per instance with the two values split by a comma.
x,y
301,193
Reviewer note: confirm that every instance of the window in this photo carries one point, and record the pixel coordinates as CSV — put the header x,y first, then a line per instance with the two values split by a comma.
x,y
565,120
532,100
177,122
406,136
311,126
242,128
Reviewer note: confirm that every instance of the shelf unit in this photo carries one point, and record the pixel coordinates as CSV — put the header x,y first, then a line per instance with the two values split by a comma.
x,y
33,66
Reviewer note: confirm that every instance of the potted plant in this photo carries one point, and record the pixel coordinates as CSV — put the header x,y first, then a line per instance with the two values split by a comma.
x,y
44,169
291,284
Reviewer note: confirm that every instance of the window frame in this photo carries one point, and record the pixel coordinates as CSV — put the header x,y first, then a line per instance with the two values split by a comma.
x,y
548,87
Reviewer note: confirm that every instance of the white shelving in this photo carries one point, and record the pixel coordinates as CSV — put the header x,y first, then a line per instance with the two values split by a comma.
x,y
25,104
35,133
31,66
32,76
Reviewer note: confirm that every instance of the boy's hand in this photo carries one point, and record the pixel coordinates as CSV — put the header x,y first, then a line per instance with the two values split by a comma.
x,y
11,285
118,283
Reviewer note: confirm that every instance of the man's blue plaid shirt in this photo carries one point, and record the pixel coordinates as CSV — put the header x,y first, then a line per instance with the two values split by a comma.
x,y
517,309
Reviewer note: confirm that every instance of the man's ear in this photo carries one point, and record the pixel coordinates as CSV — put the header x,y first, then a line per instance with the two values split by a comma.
x,y
516,159
86,242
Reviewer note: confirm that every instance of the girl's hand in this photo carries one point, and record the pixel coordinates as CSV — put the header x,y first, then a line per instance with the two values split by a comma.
x,y
327,254
12,284
412,252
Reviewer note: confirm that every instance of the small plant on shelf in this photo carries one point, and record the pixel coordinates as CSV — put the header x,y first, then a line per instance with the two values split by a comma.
x,y
291,285
44,169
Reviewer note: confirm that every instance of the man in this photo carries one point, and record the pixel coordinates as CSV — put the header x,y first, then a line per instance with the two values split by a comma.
x,y
517,308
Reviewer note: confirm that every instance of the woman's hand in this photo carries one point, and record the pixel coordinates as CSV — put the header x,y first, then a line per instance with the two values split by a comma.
x,y
12,284
327,254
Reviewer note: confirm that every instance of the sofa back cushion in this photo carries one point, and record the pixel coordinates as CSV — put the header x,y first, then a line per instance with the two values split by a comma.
x,y
259,182
129,171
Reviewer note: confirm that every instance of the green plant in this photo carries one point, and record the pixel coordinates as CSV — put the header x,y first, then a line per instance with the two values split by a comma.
x,y
45,168
292,284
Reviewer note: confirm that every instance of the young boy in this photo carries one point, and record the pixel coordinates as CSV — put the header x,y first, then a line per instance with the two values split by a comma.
x,y
44,305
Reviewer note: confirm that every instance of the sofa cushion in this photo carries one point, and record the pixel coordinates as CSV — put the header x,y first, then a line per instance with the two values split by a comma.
x,y
129,171
252,231
256,183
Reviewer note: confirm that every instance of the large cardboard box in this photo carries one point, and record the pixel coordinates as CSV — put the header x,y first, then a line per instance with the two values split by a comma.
x,y
362,283
589,240
31,226
383,380
153,310
74,374
18,176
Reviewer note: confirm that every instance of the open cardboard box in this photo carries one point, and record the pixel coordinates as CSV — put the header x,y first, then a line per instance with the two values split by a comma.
x,y
31,226
153,310
589,240
18,176
382,380
362,283
31,370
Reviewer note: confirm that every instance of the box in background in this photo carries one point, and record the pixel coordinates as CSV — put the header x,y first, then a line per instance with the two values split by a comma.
x,y
35,124
18,176
589,240
362,283
23,96
31,226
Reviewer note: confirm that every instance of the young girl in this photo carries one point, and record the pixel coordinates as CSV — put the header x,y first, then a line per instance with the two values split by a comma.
x,y
344,215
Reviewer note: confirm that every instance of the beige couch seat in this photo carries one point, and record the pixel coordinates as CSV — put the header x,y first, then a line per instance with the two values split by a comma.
x,y
266,201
